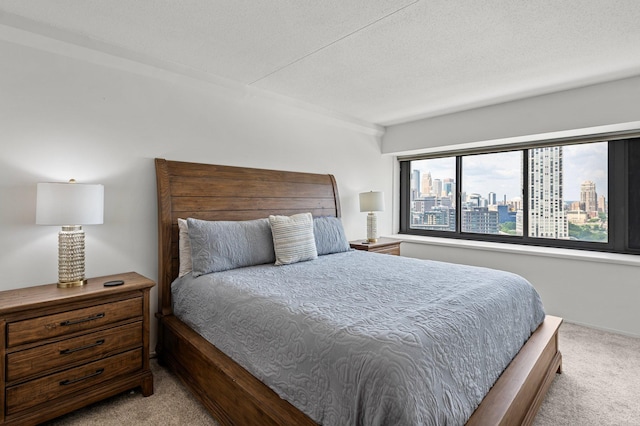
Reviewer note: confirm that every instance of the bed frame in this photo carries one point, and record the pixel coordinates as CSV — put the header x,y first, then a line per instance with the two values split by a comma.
x,y
231,394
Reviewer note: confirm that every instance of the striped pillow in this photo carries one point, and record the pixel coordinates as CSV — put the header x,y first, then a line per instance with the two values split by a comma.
x,y
293,239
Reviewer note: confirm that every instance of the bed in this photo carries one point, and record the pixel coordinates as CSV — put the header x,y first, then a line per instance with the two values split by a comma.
x,y
228,390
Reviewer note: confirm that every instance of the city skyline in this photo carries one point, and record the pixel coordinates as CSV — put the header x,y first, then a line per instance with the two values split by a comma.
x,y
500,172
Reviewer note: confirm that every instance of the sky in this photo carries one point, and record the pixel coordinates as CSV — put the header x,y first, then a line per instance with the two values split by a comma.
x,y
500,172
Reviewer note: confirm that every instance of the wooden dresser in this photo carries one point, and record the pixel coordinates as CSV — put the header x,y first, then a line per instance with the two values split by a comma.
x,y
64,348
383,245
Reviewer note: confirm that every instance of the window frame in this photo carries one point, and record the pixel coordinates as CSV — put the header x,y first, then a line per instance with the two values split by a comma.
x,y
618,196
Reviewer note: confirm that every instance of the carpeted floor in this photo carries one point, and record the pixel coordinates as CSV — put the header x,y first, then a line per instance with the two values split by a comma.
x,y
600,380
600,385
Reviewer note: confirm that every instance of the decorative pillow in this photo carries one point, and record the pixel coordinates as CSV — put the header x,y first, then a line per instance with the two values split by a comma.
x,y
222,245
184,247
329,235
293,239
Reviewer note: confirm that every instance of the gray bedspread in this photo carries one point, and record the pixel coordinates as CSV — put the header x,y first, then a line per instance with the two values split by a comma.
x,y
361,338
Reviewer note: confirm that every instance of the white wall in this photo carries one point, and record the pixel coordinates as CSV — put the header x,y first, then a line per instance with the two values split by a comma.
x,y
65,117
591,106
595,290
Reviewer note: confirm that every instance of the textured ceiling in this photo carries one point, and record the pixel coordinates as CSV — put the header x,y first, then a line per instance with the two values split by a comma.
x,y
381,61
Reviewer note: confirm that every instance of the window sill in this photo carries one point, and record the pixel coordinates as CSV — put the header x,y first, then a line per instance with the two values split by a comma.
x,y
581,255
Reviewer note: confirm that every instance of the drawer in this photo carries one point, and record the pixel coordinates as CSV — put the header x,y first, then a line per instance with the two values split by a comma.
x,y
64,323
34,392
54,356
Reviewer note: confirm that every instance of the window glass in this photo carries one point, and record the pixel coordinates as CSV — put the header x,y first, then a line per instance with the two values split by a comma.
x,y
491,201
432,194
568,192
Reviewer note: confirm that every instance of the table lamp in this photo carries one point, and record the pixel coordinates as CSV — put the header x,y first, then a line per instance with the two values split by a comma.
x,y
372,201
70,205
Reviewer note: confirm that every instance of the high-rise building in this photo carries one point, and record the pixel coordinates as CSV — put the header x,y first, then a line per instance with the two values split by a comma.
x,y
602,204
515,203
449,187
440,219
480,220
415,184
589,197
547,217
437,188
492,199
426,184
504,215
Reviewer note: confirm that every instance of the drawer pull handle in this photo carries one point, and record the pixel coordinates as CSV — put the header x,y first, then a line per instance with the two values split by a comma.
x,y
88,376
79,321
81,348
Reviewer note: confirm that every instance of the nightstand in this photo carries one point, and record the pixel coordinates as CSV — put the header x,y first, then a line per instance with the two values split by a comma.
x,y
64,348
383,245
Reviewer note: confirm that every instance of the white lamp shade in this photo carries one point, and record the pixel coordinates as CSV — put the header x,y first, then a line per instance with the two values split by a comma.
x,y
372,201
69,204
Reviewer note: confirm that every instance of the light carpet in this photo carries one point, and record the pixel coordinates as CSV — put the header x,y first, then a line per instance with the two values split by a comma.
x,y
600,385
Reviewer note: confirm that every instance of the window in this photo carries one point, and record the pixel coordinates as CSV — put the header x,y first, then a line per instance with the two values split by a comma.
x,y
433,194
491,193
555,194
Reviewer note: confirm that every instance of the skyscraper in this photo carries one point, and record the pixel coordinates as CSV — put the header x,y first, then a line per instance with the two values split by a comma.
x,y
589,197
547,217
426,184
448,187
415,184
437,187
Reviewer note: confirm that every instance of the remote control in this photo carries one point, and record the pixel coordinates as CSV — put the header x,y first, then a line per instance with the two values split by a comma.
x,y
113,283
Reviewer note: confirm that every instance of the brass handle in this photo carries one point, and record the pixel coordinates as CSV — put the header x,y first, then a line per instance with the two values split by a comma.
x,y
88,376
79,321
81,348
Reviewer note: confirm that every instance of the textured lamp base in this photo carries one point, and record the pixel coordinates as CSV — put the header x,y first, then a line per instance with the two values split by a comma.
x,y
372,228
71,257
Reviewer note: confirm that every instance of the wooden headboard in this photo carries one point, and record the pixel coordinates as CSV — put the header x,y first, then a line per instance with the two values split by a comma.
x,y
213,192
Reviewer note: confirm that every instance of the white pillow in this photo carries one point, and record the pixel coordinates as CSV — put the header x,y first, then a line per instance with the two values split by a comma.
x,y
293,239
184,248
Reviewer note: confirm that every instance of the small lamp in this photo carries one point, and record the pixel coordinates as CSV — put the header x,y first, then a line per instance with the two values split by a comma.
x,y
70,205
372,201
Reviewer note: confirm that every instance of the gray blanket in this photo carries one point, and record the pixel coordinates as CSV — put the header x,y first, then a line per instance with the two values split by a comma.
x,y
361,338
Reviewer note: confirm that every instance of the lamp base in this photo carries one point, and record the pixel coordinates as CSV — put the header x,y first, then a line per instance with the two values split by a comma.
x,y
78,283
71,257
372,228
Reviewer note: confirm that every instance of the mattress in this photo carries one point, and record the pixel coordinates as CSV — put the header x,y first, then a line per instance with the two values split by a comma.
x,y
359,338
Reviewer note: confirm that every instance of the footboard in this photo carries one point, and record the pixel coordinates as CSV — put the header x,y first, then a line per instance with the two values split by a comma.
x,y
518,393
